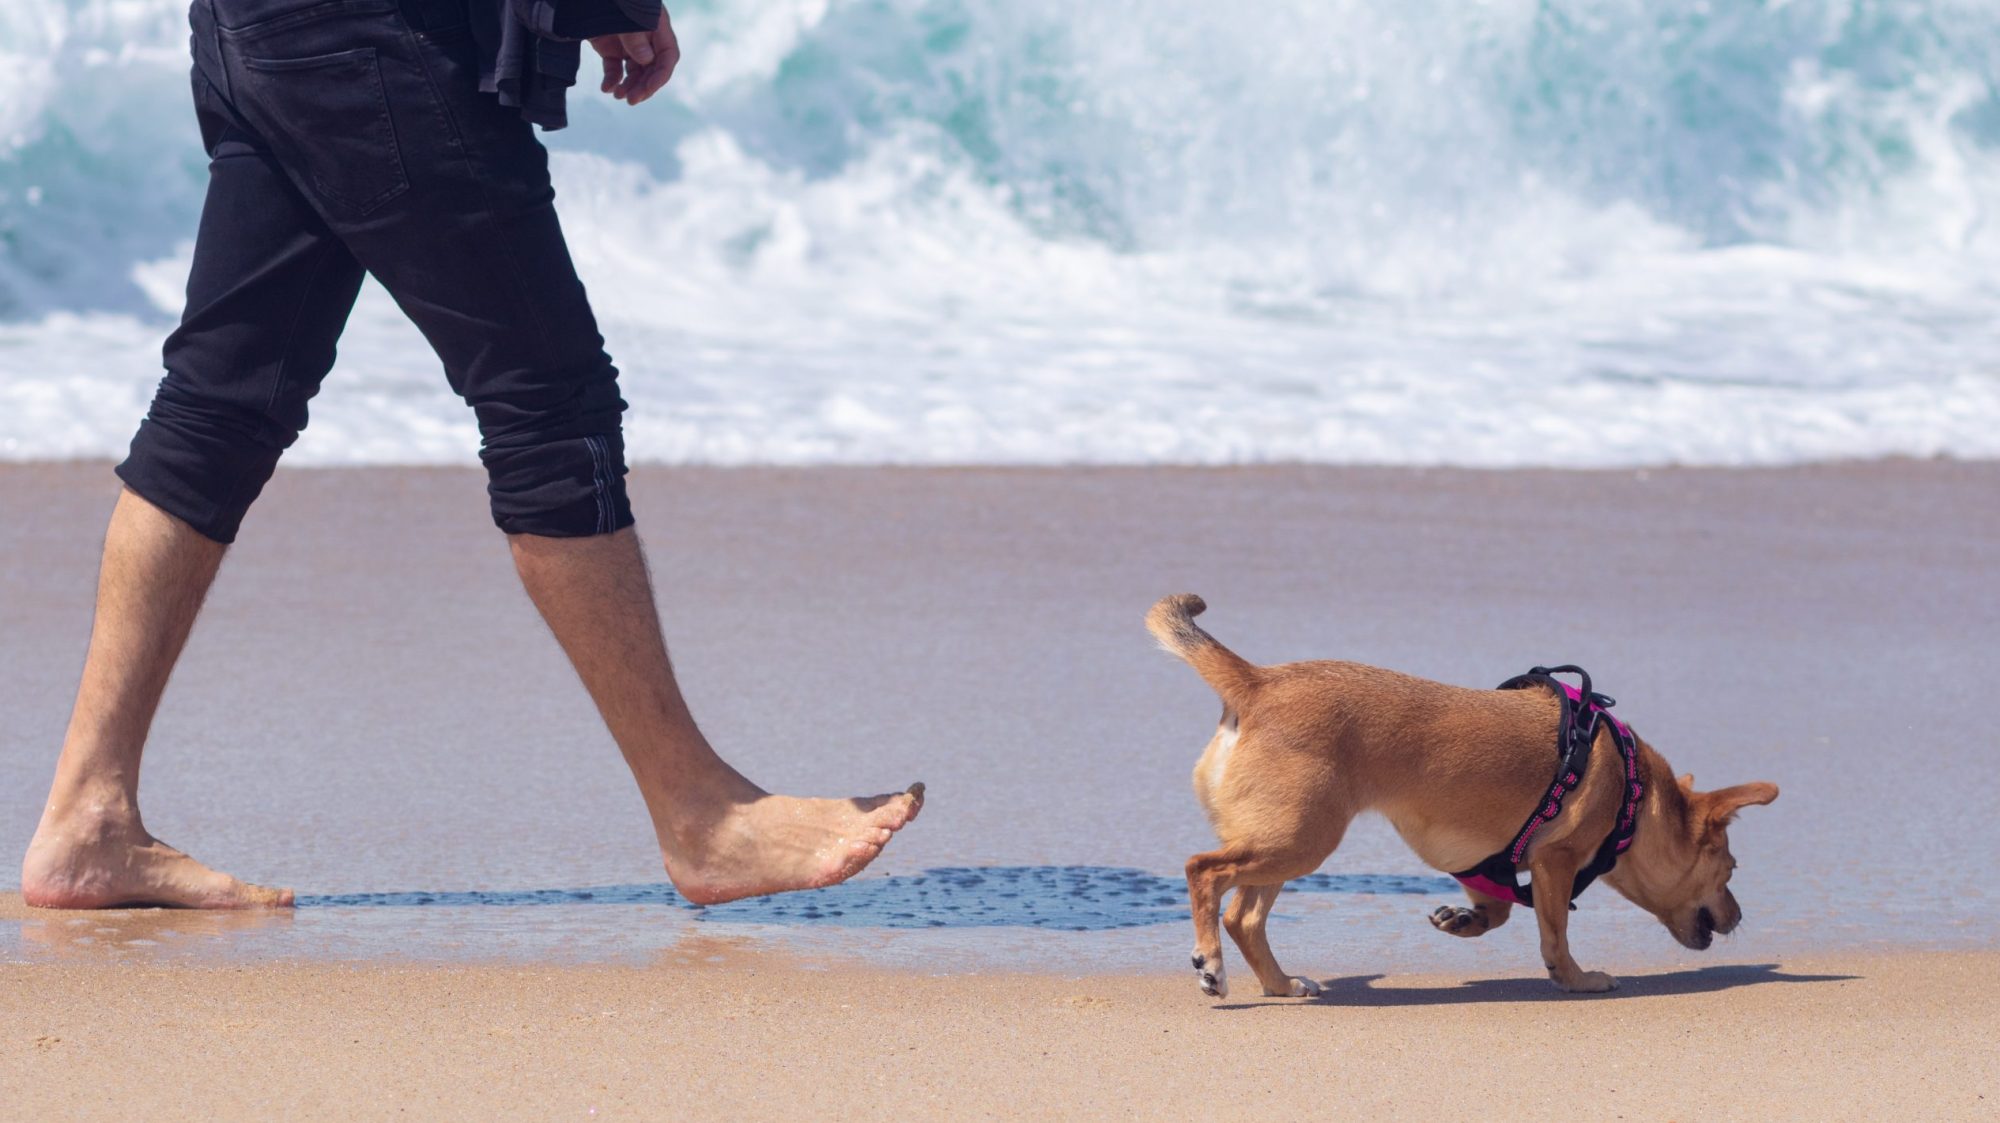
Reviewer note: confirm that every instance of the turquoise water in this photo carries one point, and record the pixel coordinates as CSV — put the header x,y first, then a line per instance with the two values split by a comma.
x,y
1039,231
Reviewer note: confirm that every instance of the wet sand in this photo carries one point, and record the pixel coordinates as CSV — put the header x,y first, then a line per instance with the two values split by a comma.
x,y
1822,1038
371,713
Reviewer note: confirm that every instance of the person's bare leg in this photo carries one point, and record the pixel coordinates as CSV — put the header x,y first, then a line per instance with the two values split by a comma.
x,y
91,851
722,836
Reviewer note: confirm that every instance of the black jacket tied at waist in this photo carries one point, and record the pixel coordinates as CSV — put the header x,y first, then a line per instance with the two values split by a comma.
x,y
530,50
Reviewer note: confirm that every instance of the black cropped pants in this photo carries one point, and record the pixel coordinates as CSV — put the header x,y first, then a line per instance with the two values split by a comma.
x,y
349,136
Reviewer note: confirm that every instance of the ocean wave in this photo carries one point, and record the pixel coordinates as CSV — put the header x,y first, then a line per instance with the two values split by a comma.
x,y
1025,231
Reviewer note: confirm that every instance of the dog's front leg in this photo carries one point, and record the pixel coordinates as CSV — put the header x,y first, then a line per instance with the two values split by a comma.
x,y
1486,914
1554,875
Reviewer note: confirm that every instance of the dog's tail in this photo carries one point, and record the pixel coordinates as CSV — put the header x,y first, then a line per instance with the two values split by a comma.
x,y
1172,623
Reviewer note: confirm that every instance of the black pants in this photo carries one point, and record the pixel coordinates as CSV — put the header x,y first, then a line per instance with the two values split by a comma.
x,y
350,135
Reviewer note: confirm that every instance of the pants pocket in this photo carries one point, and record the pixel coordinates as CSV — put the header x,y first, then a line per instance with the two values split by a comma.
x,y
335,112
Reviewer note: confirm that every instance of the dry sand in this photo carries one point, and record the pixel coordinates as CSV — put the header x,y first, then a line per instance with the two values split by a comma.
x,y
1842,1037
369,707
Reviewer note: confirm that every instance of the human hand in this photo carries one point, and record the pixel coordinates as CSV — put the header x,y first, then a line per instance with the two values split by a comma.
x,y
638,63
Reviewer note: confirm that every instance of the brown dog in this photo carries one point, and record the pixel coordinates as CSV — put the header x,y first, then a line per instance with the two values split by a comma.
x,y
1305,747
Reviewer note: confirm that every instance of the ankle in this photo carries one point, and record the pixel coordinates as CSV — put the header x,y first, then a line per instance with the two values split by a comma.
x,y
97,809
703,792
688,823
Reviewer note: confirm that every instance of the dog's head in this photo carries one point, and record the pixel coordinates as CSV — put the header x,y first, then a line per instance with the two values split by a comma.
x,y
1681,874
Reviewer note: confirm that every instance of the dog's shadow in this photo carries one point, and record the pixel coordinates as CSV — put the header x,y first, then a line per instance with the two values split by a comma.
x,y
1360,990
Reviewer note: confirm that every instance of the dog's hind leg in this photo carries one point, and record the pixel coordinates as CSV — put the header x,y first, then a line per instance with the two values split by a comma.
x,y
1248,912
1486,914
1215,873
1209,876
1275,836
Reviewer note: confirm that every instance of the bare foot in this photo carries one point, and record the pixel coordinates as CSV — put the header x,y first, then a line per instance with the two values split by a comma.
x,y
80,864
776,843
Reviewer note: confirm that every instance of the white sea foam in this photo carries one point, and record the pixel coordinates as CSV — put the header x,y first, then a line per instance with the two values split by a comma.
x,y
1035,231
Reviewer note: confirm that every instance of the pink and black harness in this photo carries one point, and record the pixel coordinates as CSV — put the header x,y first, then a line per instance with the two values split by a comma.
x,y
1500,875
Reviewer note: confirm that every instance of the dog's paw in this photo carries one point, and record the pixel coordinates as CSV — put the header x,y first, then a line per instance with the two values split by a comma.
x,y
1209,973
1454,920
1588,982
1303,988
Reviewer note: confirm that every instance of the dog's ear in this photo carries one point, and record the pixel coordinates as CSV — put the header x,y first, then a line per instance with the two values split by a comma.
x,y
1719,807
1687,783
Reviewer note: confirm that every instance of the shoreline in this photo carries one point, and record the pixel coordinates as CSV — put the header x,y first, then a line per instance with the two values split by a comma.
x,y
368,693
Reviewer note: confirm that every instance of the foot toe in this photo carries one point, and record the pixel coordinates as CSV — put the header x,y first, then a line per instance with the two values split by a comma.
x,y
869,837
895,810
225,892
1304,988
912,803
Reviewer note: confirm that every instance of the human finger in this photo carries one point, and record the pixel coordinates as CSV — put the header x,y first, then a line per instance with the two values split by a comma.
x,y
665,59
638,46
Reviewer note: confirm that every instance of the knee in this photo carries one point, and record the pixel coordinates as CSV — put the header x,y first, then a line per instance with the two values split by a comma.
x,y
555,459
1206,881
570,487
204,458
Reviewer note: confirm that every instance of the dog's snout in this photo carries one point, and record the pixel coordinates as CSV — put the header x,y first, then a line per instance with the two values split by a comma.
x,y
1729,916
1704,929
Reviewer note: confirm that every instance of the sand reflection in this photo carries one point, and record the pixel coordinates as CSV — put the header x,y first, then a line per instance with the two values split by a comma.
x,y
118,933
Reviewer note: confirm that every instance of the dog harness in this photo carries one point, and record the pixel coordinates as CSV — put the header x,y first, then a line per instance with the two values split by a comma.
x,y
1500,875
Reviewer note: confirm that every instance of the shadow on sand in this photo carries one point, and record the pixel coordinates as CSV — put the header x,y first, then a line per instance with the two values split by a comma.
x,y
1360,990
1058,898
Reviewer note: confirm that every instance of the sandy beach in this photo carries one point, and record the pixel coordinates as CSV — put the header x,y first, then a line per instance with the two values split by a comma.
x,y
1659,339
370,713
1844,1037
